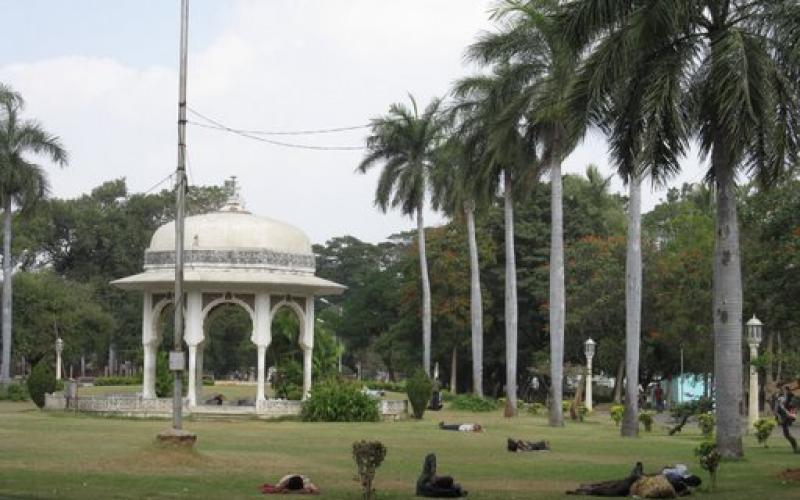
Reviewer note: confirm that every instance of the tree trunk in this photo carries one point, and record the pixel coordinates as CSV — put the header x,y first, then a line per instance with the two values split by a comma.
x,y
574,409
5,376
633,307
454,371
511,301
476,302
779,368
727,310
769,378
619,381
557,305
426,294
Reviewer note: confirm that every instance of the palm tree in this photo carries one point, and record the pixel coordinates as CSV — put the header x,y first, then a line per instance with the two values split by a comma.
x,y
506,153
456,192
22,183
407,144
726,72
530,37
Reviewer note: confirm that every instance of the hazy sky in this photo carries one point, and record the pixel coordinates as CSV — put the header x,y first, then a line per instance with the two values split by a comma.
x,y
103,75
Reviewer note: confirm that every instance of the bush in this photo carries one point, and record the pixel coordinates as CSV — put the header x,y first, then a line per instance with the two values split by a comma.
x,y
709,459
646,418
368,456
41,381
565,405
208,380
164,377
764,428
706,422
536,408
419,389
617,412
335,401
118,380
470,402
385,386
14,392
288,381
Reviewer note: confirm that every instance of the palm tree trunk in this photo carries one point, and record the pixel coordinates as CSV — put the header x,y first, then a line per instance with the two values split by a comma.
x,y
633,308
5,376
557,305
727,311
454,370
511,300
476,302
617,398
426,294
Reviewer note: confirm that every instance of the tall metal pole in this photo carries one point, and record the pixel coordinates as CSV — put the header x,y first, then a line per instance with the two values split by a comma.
x,y
177,359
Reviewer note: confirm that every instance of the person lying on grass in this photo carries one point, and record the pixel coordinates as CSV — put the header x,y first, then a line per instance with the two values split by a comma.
x,y
518,445
461,427
291,483
670,483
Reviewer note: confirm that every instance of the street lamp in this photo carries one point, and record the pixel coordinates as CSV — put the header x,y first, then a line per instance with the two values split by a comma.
x,y
754,334
59,349
588,349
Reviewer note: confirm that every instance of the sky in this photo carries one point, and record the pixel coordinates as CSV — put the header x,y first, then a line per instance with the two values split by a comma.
x,y
103,76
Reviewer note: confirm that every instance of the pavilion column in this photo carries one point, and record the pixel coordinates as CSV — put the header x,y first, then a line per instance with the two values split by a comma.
x,y
307,344
261,337
193,335
150,345
199,377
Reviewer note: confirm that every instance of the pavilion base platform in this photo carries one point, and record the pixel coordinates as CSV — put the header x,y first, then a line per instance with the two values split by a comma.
x,y
176,437
130,405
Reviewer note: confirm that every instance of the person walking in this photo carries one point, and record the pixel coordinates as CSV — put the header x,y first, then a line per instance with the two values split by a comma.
x,y
785,414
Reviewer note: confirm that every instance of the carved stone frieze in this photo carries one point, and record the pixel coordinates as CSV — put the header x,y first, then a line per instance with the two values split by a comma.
x,y
259,258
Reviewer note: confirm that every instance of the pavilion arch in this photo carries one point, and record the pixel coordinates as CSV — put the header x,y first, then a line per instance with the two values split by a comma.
x,y
231,256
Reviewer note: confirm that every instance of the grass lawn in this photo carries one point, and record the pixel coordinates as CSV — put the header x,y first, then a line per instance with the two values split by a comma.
x,y
63,455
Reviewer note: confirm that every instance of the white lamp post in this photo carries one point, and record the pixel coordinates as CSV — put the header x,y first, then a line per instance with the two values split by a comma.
x,y
59,348
588,349
754,333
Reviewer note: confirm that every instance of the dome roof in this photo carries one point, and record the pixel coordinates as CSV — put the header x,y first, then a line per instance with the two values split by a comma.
x,y
233,229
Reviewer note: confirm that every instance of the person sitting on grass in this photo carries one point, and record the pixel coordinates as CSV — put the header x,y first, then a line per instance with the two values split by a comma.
x,y
432,486
518,445
617,488
461,427
291,483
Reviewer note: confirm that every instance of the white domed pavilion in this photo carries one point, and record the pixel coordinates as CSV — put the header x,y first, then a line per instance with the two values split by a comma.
x,y
231,257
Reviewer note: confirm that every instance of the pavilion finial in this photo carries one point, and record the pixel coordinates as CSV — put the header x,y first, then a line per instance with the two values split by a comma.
x,y
234,202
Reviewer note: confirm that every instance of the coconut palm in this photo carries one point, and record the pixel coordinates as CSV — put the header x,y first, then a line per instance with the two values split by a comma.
x,y
504,152
726,72
456,193
406,143
22,184
530,37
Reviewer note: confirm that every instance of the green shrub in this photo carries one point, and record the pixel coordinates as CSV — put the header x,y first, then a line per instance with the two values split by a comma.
x,y
288,381
335,401
208,380
536,408
617,412
646,418
419,389
764,428
470,402
706,421
565,406
709,458
368,456
118,380
41,381
164,377
447,396
14,392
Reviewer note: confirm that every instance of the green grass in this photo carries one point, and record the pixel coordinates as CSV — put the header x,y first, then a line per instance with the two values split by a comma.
x,y
64,455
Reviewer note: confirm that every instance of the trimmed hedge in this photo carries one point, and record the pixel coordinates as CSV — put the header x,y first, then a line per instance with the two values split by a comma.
x,y
14,392
377,385
335,401
41,381
470,402
419,389
117,380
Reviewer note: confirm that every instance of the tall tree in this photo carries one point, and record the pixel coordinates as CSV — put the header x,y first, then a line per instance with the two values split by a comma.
x,y
506,153
530,37
22,183
406,143
728,73
456,192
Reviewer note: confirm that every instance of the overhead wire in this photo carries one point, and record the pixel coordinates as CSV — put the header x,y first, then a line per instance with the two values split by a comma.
x,y
289,132
156,185
216,125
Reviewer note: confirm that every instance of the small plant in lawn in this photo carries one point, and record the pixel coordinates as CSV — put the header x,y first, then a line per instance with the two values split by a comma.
x,y
709,458
565,406
335,401
646,418
470,402
535,408
41,381
419,389
764,428
368,456
617,411
706,421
